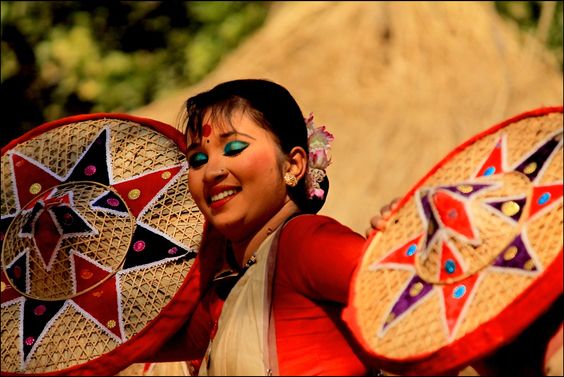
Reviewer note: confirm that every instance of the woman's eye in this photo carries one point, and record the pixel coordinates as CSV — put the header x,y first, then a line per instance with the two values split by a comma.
x,y
197,160
234,147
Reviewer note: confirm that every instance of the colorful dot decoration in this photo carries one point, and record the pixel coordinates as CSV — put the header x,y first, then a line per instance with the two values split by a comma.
x,y
510,208
35,188
166,175
450,266
411,249
134,194
452,214
510,253
39,310
86,274
459,291
90,170
68,219
416,289
544,198
173,250
2,286
139,246
29,340
529,265
489,171
530,168
465,189
111,324
112,202
17,272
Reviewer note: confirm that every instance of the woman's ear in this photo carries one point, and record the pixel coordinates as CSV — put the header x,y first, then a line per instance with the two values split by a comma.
x,y
296,162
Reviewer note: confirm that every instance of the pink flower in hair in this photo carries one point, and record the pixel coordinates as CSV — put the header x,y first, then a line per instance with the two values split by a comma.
x,y
319,144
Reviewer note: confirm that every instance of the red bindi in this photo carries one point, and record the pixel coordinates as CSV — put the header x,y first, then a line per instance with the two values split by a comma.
x,y
206,130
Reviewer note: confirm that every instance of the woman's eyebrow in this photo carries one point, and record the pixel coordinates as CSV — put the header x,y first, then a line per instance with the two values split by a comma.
x,y
231,133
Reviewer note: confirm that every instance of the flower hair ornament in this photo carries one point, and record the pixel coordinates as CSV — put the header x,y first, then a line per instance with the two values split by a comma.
x,y
319,140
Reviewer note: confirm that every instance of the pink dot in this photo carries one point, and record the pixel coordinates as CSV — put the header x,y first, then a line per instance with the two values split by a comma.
x,y
173,250
139,246
112,202
39,310
29,340
90,170
206,130
17,272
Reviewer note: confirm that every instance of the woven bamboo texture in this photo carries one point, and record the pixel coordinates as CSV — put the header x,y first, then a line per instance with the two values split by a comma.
x,y
71,337
423,329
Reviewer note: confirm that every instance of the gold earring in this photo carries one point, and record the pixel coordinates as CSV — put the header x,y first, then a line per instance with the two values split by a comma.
x,y
290,179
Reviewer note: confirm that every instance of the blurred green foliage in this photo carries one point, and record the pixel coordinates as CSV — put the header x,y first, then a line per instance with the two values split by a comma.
x,y
528,15
62,58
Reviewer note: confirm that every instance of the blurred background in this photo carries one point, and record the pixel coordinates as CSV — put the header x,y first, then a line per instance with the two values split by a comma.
x,y
400,84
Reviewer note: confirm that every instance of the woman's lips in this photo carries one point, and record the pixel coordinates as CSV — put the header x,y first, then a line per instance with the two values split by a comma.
x,y
221,195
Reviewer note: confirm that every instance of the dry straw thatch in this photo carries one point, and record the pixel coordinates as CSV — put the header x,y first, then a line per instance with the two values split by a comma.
x,y
399,84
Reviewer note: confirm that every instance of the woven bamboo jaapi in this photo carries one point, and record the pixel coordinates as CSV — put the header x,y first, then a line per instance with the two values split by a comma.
x,y
473,254
99,234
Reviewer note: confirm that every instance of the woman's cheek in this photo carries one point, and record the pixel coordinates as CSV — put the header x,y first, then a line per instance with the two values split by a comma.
x,y
195,186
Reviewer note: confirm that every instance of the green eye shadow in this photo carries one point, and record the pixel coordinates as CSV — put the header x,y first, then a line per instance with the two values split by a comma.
x,y
234,147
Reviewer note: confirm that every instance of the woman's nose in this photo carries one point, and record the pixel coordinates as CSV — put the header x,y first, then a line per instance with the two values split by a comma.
x,y
215,173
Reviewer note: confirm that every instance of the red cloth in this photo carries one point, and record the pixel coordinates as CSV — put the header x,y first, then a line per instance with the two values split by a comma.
x,y
315,261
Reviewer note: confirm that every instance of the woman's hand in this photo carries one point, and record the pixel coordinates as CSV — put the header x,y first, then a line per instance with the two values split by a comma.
x,y
379,222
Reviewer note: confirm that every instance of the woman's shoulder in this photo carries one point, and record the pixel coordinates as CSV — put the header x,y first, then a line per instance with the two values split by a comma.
x,y
312,221
308,228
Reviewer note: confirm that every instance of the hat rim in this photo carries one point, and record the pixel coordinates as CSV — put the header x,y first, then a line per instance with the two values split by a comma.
x,y
176,311
500,329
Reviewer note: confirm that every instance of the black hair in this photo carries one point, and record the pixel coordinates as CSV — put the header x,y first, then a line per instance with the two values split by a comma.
x,y
270,105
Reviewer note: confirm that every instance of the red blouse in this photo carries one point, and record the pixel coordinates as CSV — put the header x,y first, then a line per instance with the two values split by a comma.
x,y
315,261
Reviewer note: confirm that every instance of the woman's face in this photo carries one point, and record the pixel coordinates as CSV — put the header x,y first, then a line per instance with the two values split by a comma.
x,y
235,175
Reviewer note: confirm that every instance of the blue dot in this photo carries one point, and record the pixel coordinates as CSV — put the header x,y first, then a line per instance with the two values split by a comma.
x,y
459,291
411,250
544,198
490,170
450,266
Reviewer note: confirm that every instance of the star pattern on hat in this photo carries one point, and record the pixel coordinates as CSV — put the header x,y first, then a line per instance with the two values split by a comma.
x,y
445,215
50,218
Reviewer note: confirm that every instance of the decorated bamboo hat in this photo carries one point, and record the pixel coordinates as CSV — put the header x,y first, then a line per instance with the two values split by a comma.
x,y
99,238
471,256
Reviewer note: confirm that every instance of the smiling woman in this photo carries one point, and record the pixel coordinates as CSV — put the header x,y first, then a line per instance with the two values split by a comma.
x,y
279,274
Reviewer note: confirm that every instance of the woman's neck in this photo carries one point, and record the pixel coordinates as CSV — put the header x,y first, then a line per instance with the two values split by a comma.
x,y
244,249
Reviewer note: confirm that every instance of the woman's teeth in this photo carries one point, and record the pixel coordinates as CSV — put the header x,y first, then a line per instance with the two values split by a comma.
x,y
222,195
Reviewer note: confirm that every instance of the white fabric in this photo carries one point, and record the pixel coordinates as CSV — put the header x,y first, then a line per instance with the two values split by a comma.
x,y
239,346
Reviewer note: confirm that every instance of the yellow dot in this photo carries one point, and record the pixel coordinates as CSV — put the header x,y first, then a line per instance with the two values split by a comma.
x,y
510,253
510,208
134,194
2,286
530,168
35,188
111,324
390,318
529,265
465,189
416,289
166,175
